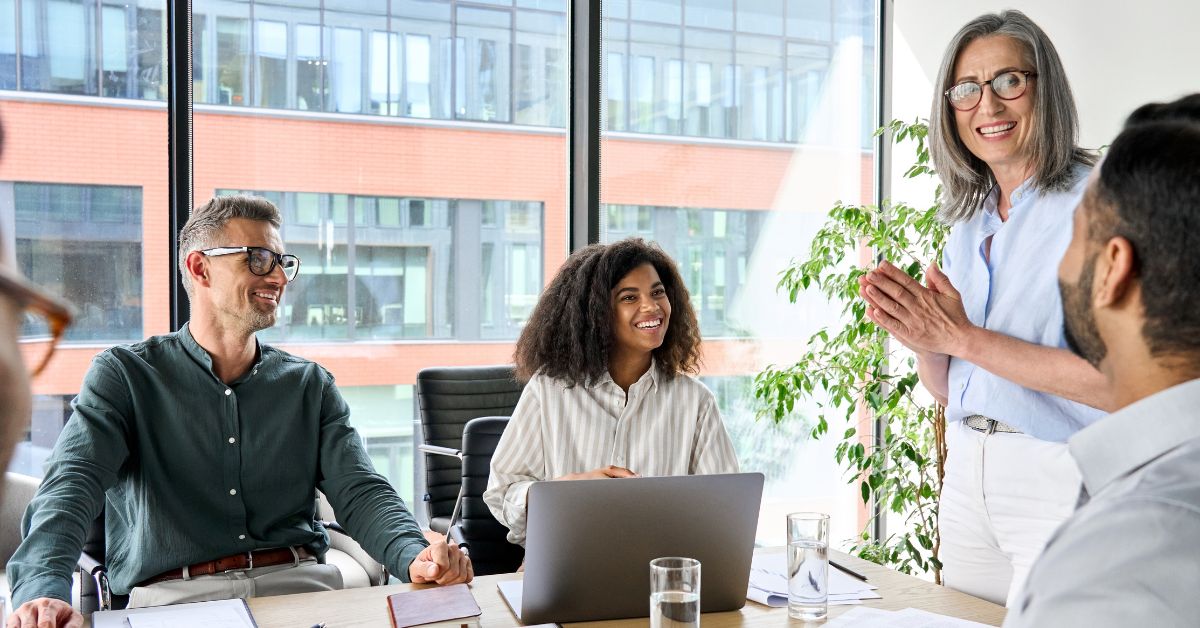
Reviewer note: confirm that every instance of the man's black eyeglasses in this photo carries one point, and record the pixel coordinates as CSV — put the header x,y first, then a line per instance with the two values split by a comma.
x,y
261,261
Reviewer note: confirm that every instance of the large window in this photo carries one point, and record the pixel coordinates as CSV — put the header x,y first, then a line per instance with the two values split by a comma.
x,y
410,146
417,150
83,180
756,80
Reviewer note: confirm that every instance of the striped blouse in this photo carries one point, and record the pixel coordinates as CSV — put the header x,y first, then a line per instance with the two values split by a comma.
x,y
664,427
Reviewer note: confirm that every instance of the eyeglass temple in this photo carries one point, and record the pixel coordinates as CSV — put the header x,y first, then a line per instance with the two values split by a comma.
x,y
58,321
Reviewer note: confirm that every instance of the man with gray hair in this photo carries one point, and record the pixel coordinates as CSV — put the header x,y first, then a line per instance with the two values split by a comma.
x,y
205,448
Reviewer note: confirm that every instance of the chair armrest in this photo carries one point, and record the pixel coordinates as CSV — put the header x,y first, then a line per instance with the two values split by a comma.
x,y
88,563
95,593
339,540
441,451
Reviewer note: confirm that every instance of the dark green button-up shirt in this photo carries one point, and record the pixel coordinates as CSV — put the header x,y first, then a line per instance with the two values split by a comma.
x,y
193,469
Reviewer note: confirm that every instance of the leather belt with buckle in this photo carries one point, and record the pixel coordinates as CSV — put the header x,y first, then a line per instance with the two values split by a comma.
x,y
980,423
236,562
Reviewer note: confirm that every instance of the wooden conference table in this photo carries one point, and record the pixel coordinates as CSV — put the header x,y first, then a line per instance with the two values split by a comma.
x,y
366,607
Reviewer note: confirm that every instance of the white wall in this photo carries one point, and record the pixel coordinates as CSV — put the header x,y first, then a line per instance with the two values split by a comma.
x,y
1152,45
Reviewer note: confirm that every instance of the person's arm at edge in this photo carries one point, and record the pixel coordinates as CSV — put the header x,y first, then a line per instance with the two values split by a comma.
x,y
363,500
1046,369
518,462
1050,370
712,449
86,457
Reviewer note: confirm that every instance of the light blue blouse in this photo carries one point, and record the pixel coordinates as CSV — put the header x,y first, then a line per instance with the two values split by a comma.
x,y
1016,294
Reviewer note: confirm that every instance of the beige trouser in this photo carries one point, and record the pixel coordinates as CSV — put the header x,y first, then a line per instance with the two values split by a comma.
x,y
306,576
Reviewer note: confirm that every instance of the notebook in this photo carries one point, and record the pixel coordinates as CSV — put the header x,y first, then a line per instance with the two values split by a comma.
x,y
448,606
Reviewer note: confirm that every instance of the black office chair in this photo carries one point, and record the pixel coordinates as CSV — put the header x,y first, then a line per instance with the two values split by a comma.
x,y
448,398
471,523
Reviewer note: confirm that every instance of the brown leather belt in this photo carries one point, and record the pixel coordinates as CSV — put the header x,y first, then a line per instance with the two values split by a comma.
x,y
236,562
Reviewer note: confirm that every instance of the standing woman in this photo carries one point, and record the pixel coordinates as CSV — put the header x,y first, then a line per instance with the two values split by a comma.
x,y
988,332
606,355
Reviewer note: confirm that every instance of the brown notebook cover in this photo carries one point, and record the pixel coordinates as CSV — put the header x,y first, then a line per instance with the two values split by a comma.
x,y
436,604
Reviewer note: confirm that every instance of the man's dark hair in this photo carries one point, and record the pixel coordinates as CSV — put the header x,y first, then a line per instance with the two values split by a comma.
x,y
1148,192
570,334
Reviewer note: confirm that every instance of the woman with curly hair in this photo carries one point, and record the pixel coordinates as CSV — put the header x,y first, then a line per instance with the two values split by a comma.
x,y
606,357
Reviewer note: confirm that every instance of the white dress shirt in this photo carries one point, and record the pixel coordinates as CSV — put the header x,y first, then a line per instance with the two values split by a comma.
x,y
1129,554
666,426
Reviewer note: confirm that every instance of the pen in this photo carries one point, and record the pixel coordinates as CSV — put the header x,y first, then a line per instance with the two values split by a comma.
x,y
846,570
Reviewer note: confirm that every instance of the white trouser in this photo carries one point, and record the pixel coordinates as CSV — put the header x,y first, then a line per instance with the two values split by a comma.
x,y
283,579
1004,495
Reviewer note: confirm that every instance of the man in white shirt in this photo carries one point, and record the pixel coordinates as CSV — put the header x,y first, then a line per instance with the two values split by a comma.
x,y
1131,299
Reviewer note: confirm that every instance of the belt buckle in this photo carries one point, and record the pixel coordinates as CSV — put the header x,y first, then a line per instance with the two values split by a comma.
x,y
991,426
249,559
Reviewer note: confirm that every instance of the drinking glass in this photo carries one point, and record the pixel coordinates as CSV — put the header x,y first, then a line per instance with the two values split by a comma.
x,y
808,565
674,593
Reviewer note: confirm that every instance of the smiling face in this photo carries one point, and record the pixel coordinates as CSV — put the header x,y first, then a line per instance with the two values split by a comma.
x,y
243,300
641,311
997,131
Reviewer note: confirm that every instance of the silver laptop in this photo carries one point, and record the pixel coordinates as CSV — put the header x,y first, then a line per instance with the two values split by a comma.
x,y
589,543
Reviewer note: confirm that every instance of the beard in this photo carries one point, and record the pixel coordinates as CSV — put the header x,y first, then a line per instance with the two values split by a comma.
x,y
1079,322
259,320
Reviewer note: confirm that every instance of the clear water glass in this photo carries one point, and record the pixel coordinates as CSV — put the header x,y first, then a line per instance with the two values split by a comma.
x,y
808,565
674,593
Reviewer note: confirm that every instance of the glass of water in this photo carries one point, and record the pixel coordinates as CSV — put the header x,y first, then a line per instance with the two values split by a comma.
x,y
808,565
674,593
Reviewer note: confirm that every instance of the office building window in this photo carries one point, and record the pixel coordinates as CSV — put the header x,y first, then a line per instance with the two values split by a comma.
x,y
403,270
83,243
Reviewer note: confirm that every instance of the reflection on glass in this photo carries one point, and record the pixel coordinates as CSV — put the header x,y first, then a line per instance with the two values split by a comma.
x,y
398,261
82,243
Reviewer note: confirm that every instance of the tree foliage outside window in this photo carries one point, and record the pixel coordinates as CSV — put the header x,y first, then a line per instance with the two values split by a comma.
x,y
852,369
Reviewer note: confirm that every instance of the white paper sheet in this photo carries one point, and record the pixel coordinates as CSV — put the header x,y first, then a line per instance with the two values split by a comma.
x,y
216,614
768,583
866,617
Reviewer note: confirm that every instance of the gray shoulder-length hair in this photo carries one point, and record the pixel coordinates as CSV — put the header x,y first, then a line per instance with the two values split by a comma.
x,y
966,179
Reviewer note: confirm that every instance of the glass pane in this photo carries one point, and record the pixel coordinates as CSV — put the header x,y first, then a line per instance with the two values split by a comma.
x,y
422,244
83,184
759,75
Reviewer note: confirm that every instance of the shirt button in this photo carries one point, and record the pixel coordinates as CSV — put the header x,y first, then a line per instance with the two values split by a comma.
x,y
232,440
228,392
241,537
233,491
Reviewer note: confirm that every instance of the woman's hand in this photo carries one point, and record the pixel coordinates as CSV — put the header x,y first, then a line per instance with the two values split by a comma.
x,y
927,319
596,474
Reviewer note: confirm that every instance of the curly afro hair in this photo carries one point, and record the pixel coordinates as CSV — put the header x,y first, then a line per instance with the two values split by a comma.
x,y
570,334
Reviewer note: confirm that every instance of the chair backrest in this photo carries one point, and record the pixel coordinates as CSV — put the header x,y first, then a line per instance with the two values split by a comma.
x,y
18,492
490,550
448,397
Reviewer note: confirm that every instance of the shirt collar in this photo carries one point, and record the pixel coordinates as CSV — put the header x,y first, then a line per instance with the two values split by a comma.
x,y
1129,438
992,202
202,357
650,377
